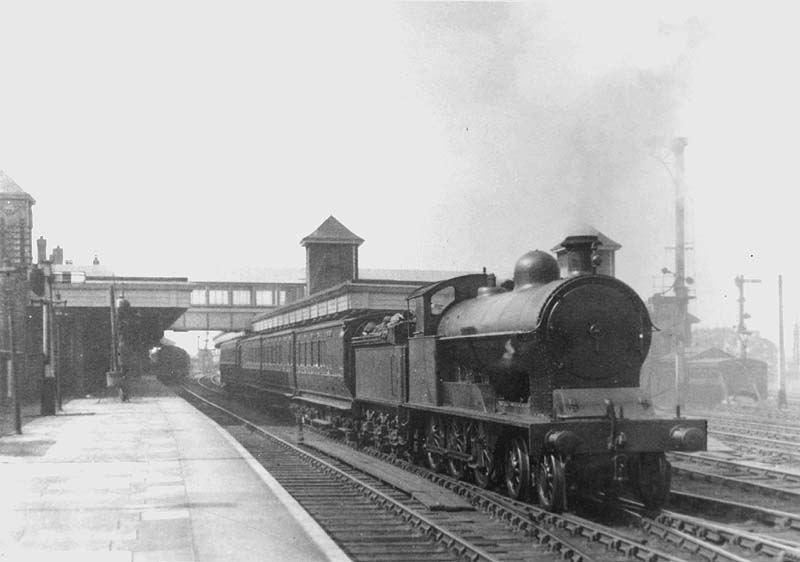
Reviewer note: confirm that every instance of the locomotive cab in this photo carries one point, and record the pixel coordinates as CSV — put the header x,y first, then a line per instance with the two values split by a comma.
x,y
429,304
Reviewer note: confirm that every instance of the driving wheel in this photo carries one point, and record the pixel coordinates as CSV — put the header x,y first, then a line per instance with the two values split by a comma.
x,y
551,483
434,440
456,441
518,469
483,457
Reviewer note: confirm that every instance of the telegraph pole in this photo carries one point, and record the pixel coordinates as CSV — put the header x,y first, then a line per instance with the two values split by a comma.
x,y
782,361
741,331
681,289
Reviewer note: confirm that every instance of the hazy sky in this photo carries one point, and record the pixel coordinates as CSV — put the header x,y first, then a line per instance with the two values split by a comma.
x,y
201,139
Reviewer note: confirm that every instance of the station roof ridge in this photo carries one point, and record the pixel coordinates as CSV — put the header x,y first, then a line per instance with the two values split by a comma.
x,y
297,275
331,231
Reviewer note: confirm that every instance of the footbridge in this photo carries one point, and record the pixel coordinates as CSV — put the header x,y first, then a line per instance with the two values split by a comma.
x,y
175,303
82,305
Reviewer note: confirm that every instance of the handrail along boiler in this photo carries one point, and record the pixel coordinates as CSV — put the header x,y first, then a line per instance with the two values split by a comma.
x,y
534,388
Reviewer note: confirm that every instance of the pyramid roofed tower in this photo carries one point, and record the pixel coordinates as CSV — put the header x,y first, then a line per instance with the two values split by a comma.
x,y
331,255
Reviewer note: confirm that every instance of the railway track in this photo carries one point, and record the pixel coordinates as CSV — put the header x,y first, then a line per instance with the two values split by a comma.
x,y
757,429
762,432
751,413
735,483
766,523
738,474
747,441
379,522
571,537
772,542
683,532
754,416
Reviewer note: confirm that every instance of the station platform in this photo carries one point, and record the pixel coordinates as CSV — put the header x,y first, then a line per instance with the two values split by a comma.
x,y
151,479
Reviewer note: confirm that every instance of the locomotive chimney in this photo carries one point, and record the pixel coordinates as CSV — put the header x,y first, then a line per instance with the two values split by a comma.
x,y
587,251
580,252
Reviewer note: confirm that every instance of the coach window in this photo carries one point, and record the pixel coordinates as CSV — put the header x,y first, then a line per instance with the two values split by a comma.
x,y
263,298
218,296
198,296
241,298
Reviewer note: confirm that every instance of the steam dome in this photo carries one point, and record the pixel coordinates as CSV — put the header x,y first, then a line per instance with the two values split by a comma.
x,y
535,268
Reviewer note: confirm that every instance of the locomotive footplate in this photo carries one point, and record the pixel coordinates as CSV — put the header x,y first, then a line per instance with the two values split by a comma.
x,y
615,421
601,435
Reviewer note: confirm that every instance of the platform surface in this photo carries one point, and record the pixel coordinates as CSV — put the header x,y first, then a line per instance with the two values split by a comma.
x,y
148,480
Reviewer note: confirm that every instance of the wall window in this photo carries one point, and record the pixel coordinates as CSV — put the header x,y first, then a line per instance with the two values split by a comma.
x,y
241,297
198,296
281,297
264,298
216,296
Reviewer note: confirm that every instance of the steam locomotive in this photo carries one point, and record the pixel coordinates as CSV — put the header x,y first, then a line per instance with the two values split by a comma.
x,y
170,362
533,388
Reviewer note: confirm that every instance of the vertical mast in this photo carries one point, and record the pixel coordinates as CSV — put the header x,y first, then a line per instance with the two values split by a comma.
x,y
681,290
782,356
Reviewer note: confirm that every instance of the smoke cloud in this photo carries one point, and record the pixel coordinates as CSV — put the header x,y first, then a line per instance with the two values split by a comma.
x,y
555,115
